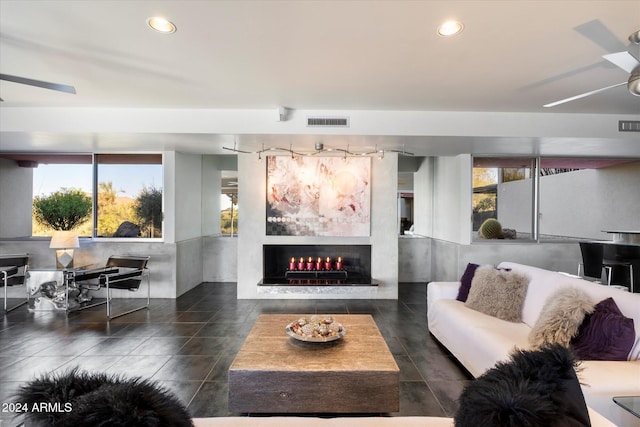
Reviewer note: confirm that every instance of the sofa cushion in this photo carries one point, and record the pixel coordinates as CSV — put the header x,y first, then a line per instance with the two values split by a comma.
x,y
563,313
498,293
534,388
465,281
605,334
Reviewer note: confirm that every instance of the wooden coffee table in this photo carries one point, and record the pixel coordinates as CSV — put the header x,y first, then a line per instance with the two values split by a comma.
x,y
275,373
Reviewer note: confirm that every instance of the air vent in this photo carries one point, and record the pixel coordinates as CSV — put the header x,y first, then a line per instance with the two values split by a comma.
x,y
629,125
340,122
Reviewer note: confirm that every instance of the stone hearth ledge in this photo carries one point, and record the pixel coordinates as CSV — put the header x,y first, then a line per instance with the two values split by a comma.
x,y
321,291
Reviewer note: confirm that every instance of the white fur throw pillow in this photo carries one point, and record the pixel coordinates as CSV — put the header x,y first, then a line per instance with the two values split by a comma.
x,y
498,293
562,314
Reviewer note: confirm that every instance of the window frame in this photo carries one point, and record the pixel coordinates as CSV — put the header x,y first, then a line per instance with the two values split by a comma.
x,y
94,188
95,181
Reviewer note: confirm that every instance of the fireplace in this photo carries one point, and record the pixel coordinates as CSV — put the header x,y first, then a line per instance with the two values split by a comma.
x,y
316,265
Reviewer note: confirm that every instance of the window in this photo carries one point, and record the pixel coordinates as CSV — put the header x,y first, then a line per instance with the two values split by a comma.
x,y
127,189
129,195
503,189
62,174
229,203
576,198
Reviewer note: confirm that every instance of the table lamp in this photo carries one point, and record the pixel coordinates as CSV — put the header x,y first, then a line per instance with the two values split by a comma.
x,y
64,242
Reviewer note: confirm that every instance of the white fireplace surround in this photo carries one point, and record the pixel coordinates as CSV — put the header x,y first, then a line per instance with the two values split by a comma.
x,y
383,238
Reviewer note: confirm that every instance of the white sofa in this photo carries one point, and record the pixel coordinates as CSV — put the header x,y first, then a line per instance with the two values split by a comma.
x,y
596,421
478,341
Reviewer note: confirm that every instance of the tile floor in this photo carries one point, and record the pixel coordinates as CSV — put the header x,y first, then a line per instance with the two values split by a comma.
x,y
187,345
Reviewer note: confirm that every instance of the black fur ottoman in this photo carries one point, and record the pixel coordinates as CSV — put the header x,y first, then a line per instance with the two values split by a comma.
x,y
534,389
78,398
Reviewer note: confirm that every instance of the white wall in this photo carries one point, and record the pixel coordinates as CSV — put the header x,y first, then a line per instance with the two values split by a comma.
x,y
15,199
452,199
187,210
442,197
188,196
384,218
163,124
211,187
211,182
219,253
252,234
423,198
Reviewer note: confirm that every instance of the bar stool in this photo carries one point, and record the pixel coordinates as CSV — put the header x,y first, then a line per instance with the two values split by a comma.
x,y
594,264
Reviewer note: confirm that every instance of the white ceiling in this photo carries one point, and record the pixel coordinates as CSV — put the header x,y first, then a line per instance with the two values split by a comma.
x,y
512,57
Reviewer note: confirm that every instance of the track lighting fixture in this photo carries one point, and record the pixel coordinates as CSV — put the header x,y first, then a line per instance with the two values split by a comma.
x,y
319,149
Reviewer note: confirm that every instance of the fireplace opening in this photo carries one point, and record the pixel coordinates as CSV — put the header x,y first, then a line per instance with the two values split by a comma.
x,y
317,265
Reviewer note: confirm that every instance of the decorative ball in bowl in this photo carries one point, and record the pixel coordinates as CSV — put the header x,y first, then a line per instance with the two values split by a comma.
x,y
320,328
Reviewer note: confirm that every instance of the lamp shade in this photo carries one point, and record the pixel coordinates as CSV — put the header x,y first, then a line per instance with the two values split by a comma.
x,y
64,240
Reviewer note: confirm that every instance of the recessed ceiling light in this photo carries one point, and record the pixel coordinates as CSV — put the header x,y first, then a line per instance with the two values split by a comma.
x,y
450,28
161,25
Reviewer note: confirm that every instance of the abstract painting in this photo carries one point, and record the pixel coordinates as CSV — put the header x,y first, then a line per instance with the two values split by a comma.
x,y
318,196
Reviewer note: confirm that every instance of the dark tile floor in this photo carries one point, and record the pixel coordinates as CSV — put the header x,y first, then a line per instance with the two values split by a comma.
x,y
187,345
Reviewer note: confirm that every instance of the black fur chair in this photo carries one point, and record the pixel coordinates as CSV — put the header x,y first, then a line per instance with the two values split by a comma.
x,y
82,399
535,388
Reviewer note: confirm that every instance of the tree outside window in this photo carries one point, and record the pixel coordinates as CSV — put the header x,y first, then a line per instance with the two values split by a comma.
x,y
63,210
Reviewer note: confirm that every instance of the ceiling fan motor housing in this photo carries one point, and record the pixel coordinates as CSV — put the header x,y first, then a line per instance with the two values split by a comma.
x,y
634,81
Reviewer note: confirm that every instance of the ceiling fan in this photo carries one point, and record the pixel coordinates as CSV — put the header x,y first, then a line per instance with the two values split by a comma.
x,y
628,60
38,83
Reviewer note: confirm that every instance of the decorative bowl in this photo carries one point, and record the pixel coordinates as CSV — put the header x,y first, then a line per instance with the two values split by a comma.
x,y
316,329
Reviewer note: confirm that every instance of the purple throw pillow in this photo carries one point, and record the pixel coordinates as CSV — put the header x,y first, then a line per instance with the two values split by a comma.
x,y
605,334
465,282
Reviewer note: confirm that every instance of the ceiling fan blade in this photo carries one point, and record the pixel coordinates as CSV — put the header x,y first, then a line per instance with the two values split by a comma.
x,y
38,83
583,95
624,60
598,33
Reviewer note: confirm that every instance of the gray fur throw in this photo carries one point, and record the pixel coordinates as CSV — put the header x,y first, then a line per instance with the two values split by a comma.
x,y
498,293
562,314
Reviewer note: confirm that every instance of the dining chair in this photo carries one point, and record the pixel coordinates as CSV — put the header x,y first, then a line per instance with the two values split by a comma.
x,y
124,272
594,264
621,257
14,272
